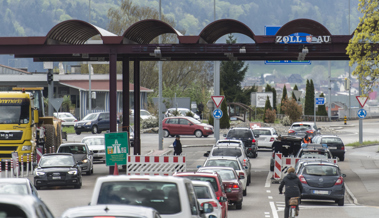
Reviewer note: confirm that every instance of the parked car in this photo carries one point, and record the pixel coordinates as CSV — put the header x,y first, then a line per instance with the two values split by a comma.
x,y
23,206
266,136
172,197
66,118
233,162
111,211
322,181
226,150
304,128
246,135
205,193
215,180
83,156
232,184
18,186
185,126
182,112
57,170
144,114
335,145
96,144
94,122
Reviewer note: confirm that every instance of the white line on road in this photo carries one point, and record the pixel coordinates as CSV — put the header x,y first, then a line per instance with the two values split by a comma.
x,y
270,197
268,191
268,180
273,209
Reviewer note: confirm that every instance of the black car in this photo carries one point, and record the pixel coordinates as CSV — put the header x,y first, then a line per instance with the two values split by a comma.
x,y
93,122
322,181
334,143
302,129
58,169
82,155
246,135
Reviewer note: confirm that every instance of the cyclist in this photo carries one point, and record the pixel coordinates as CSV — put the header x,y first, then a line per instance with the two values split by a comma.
x,y
294,188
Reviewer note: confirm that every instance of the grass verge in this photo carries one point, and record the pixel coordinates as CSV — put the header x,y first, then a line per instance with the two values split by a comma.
x,y
68,129
356,144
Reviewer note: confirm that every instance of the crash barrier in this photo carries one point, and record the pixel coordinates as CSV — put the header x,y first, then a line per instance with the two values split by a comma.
x,y
278,166
155,165
18,169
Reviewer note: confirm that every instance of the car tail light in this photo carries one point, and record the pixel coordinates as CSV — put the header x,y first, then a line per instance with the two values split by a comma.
x,y
241,174
253,141
302,179
244,162
63,121
272,139
233,186
214,204
76,121
309,131
342,147
339,181
291,131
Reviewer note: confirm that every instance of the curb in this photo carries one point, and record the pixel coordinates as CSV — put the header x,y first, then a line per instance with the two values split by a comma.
x,y
351,195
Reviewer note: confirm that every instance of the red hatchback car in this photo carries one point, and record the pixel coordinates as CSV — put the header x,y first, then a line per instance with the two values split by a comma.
x,y
185,126
216,181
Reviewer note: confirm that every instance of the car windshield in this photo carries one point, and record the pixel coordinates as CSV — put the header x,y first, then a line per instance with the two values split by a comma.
x,y
90,117
17,189
73,149
228,143
193,120
144,113
234,152
331,140
211,180
315,154
162,196
262,132
57,161
94,141
223,163
321,170
224,173
202,192
239,134
301,127
14,110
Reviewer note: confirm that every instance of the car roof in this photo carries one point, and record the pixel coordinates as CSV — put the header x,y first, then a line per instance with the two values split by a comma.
x,y
95,136
321,162
270,128
308,123
205,174
109,210
71,144
229,140
201,183
314,146
215,167
14,180
247,128
222,157
25,202
144,178
58,154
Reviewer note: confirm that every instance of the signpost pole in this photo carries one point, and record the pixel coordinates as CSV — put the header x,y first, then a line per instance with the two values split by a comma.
x,y
314,111
360,119
217,92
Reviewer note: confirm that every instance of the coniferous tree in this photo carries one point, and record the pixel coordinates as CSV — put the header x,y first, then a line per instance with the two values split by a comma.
x,y
321,109
284,97
267,107
308,100
293,94
313,96
274,98
224,121
268,88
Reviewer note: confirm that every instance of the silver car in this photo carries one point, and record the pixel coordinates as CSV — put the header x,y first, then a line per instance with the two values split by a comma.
x,y
21,186
96,144
27,206
266,136
111,211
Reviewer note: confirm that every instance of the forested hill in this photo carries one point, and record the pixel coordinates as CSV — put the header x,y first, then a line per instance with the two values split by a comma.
x,y
37,17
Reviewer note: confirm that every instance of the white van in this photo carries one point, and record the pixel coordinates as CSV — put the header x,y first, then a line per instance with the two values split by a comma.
x,y
172,197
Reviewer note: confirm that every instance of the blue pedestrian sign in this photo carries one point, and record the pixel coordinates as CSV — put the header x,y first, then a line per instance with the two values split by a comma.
x,y
362,113
217,114
320,101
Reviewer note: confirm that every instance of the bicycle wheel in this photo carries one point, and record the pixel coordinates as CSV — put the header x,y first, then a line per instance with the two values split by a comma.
x,y
292,213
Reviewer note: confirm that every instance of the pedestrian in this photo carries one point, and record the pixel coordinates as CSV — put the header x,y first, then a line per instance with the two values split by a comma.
x,y
294,188
177,146
200,107
307,139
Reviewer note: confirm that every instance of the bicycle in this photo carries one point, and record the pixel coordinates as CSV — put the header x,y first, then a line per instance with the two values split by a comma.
x,y
293,202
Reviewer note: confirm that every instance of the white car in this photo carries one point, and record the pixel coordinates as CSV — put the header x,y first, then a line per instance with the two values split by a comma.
x,y
233,162
67,119
96,144
205,193
182,112
19,186
110,211
144,114
172,197
267,136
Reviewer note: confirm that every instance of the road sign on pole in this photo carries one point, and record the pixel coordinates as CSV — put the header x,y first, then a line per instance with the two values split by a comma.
x,y
320,101
217,114
217,100
362,113
362,100
116,148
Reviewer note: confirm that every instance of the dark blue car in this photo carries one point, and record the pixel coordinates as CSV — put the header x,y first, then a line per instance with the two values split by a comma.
x,y
94,122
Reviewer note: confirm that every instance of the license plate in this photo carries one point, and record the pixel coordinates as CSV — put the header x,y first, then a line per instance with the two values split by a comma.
x,y
320,192
56,177
332,147
78,127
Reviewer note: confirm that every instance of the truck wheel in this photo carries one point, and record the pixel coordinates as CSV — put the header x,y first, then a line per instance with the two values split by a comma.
x,y
50,136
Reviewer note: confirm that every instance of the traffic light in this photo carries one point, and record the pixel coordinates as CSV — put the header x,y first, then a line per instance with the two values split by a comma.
x,y
347,84
49,77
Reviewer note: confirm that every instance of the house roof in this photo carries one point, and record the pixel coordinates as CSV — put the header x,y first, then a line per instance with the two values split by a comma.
x,y
295,76
98,85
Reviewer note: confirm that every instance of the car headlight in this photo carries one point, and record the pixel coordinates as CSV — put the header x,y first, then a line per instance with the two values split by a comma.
x,y
88,123
85,161
206,128
73,172
39,173
26,148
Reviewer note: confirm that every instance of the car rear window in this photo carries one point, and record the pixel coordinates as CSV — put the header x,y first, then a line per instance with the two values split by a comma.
x,y
212,180
240,134
331,140
225,174
162,196
223,163
262,132
202,192
301,127
233,152
320,154
321,170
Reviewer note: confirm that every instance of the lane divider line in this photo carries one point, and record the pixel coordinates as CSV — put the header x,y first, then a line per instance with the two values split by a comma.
x,y
268,180
273,209
270,197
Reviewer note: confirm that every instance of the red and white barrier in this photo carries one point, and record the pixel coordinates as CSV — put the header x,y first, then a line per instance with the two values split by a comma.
x,y
155,165
278,166
6,168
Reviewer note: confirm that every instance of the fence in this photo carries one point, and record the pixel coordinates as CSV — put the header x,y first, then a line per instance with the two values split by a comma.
x,y
155,165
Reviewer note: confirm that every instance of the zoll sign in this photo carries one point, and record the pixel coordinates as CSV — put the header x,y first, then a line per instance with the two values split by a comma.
x,y
299,39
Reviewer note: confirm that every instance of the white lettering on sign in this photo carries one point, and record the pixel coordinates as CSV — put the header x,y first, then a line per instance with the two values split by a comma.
x,y
297,39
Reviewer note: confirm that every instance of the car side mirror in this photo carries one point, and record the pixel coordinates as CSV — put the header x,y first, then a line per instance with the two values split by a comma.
x,y
246,167
198,166
206,208
256,136
99,119
228,190
35,165
223,199
90,152
241,177
343,175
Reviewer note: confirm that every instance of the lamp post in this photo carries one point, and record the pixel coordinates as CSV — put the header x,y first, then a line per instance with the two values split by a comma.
x,y
160,90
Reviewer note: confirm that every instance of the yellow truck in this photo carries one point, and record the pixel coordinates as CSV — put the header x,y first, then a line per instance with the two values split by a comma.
x,y
22,121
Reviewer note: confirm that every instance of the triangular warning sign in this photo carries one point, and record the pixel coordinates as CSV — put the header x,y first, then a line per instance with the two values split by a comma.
x,y
217,100
362,100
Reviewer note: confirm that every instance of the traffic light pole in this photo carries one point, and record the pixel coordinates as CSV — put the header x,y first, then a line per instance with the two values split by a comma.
x,y
50,93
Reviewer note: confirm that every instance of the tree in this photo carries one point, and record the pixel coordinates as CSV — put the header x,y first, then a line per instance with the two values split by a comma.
x,y
293,109
293,94
321,110
274,99
308,105
267,107
284,97
232,74
362,49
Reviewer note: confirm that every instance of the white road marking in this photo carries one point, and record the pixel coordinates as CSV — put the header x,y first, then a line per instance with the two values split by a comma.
x,y
267,213
268,191
273,209
270,197
268,180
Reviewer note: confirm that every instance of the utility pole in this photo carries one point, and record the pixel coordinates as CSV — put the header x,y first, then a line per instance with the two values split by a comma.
x,y
216,83
160,135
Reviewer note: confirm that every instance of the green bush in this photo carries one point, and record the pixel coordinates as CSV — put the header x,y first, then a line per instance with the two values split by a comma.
x,y
189,114
150,122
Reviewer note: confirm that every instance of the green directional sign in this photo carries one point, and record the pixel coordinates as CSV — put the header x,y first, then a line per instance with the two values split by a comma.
x,y
116,148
